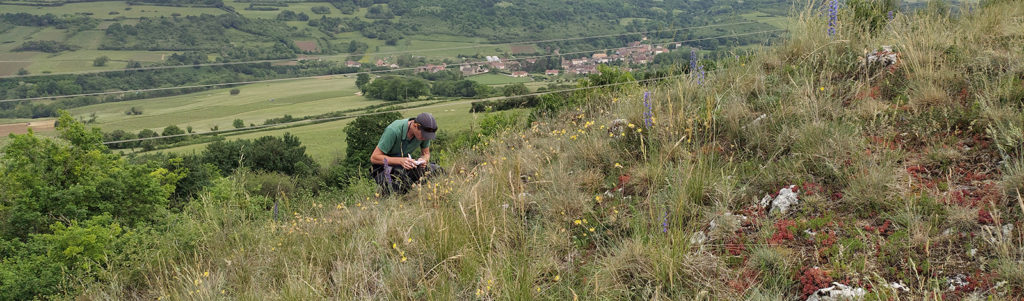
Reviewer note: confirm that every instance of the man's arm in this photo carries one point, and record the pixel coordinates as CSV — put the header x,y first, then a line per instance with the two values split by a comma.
x,y
378,157
425,156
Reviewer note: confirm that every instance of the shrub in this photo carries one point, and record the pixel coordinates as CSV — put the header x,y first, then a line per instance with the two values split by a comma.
x,y
196,175
45,181
100,61
238,123
235,91
57,263
133,111
271,154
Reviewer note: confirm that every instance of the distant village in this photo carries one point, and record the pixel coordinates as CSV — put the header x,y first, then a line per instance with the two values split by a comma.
x,y
636,53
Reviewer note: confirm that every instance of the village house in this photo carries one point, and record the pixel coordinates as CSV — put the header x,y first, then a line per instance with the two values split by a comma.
x,y
472,69
551,72
520,74
353,64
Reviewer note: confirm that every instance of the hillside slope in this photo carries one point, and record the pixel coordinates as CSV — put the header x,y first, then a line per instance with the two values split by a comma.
x,y
909,174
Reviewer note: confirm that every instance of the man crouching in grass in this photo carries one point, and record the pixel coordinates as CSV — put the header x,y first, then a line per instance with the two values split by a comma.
x,y
394,168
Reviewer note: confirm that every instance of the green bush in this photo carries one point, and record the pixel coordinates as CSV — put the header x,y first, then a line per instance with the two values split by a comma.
x,y
196,175
55,264
269,153
46,181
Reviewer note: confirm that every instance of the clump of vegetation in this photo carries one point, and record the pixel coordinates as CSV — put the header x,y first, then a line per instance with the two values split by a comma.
x,y
46,46
133,111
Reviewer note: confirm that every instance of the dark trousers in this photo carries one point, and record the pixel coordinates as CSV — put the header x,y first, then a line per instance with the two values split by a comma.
x,y
399,180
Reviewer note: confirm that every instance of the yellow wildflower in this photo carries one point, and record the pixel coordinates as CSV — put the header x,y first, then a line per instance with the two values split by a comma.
x,y
617,165
591,229
631,125
577,222
557,278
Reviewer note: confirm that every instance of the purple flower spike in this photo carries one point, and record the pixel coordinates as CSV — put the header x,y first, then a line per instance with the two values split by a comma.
x,y
649,110
664,222
833,16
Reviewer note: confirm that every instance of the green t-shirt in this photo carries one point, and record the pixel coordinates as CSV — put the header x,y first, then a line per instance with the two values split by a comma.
x,y
394,142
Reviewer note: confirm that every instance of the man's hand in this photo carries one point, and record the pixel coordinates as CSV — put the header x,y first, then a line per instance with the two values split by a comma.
x,y
407,163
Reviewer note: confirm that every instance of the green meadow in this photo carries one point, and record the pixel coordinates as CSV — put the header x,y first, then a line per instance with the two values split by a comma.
x,y
110,10
218,108
775,21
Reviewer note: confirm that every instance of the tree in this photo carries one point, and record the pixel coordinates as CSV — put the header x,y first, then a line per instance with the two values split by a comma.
x,y
238,123
173,130
361,80
361,137
397,88
22,71
515,89
235,91
100,61
148,145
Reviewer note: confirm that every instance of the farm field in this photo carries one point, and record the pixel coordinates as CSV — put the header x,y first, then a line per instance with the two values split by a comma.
x,y
775,21
81,60
255,104
498,79
111,10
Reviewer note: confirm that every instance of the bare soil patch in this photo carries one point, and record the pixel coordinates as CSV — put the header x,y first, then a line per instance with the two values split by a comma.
x,y
310,46
22,127
522,49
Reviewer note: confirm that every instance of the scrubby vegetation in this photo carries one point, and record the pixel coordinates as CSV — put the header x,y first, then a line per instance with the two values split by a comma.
x,y
908,172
